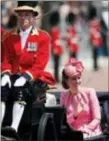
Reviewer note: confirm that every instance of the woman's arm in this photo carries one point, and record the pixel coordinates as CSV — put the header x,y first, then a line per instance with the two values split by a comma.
x,y
69,113
95,109
62,99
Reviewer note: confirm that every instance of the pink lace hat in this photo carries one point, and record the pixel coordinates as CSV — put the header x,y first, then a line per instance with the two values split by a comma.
x,y
73,67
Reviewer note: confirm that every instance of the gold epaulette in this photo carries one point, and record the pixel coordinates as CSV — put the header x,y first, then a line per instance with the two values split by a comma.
x,y
44,31
7,34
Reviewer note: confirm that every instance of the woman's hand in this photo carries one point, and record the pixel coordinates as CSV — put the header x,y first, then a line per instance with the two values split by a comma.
x,y
84,129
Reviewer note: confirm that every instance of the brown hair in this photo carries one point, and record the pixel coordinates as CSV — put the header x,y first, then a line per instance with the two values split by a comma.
x,y
64,79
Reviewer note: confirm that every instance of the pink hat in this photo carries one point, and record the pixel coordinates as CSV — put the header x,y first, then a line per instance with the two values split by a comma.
x,y
73,67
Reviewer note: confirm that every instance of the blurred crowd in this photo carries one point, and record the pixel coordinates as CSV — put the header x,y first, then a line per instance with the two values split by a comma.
x,y
69,24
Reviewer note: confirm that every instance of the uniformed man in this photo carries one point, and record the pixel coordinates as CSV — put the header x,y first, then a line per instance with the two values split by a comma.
x,y
72,38
94,35
26,53
56,46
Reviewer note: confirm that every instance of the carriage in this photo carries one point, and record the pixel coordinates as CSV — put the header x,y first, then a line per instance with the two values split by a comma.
x,y
40,123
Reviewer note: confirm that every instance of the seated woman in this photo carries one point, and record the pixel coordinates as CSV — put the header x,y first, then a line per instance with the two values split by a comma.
x,y
82,105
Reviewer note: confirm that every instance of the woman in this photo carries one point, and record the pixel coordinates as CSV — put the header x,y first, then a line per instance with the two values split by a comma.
x,y
82,106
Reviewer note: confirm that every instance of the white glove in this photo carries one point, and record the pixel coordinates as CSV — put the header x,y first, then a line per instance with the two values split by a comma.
x,y
6,80
20,82
50,100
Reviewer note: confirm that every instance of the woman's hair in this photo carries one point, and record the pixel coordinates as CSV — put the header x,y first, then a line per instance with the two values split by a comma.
x,y
72,68
64,79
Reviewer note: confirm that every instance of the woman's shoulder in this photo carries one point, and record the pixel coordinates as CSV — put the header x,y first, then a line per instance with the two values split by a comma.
x,y
87,90
64,93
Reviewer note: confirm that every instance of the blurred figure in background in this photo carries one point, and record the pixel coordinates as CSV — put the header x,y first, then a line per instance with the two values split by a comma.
x,y
72,39
12,23
40,16
55,42
94,35
9,19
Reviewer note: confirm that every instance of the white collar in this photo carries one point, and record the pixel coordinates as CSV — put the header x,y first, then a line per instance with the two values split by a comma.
x,y
27,31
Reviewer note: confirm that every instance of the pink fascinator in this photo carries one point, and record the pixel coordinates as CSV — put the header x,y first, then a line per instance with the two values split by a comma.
x,y
73,67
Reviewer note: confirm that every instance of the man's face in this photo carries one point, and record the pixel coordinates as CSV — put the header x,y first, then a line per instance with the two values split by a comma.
x,y
26,19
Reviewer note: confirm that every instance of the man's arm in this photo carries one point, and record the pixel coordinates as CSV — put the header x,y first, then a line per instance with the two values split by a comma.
x,y
6,61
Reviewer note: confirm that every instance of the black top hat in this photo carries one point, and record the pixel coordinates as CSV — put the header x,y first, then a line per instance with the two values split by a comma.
x,y
27,6
71,18
27,3
54,18
92,13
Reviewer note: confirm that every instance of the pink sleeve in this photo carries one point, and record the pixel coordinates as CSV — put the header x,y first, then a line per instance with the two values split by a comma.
x,y
62,99
95,109
69,113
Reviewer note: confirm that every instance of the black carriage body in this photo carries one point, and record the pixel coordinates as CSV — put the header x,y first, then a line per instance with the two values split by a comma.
x,y
41,123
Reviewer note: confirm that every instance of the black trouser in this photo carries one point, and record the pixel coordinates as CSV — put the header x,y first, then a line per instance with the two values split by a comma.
x,y
56,67
105,48
95,57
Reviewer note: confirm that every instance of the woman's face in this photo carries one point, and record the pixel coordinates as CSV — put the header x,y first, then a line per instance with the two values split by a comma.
x,y
74,81
26,19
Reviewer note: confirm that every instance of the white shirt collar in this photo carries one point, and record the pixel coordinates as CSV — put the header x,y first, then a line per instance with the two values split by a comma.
x,y
27,31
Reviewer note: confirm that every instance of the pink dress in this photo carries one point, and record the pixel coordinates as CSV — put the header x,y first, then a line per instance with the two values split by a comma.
x,y
83,111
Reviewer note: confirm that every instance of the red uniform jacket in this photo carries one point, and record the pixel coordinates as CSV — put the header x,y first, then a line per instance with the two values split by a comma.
x,y
56,41
2,33
72,40
32,59
94,33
